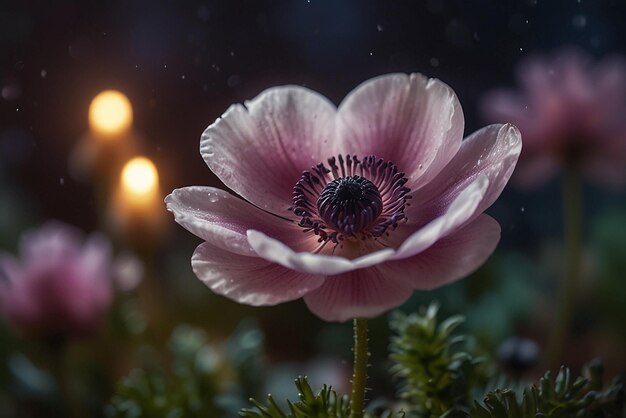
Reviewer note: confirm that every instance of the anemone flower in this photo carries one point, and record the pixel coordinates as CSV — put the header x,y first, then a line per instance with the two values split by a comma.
x,y
572,114
61,287
350,207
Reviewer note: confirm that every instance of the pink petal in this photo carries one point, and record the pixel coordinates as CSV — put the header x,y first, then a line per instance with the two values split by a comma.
x,y
95,258
10,268
223,219
451,258
307,262
250,280
492,152
462,208
52,241
260,150
507,106
364,293
415,122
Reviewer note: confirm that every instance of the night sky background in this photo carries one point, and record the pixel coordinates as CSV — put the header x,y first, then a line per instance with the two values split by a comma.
x,y
182,63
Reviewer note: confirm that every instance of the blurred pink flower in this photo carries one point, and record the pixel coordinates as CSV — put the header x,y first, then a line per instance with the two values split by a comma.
x,y
351,207
571,111
61,287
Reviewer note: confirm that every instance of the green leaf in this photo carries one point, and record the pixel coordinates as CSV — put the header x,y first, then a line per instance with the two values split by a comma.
x,y
559,398
435,375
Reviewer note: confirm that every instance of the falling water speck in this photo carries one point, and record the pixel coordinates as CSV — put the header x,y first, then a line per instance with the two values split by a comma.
x,y
434,62
379,27
61,181
44,73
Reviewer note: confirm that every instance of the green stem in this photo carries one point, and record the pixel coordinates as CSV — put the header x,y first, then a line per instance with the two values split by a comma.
x,y
573,208
61,368
359,376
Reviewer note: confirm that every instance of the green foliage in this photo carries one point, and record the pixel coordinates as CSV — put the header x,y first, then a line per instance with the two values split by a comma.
x,y
326,404
436,375
188,389
562,397
558,398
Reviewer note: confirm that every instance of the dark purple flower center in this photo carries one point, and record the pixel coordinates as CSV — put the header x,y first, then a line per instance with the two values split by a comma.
x,y
351,198
350,204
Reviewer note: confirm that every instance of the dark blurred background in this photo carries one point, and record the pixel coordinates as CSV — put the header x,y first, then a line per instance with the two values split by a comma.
x,y
182,63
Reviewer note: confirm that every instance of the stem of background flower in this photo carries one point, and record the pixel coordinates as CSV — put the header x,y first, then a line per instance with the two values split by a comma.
x,y
359,375
61,368
572,208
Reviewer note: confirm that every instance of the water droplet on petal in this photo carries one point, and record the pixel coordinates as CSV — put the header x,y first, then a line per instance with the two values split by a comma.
x,y
213,197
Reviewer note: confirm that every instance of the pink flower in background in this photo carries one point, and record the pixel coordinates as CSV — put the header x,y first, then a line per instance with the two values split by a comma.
x,y
60,287
571,112
351,208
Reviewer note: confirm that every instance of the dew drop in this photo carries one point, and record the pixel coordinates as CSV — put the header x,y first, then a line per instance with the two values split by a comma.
x,y
213,198
208,149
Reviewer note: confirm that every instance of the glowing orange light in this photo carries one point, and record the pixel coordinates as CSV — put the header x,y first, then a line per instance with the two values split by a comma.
x,y
136,208
110,114
140,177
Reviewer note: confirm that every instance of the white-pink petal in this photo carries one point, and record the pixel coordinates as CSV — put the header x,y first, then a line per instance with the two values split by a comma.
x,y
277,252
450,258
415,122
222,219
491,151
260,150
358,294
250,280
462,208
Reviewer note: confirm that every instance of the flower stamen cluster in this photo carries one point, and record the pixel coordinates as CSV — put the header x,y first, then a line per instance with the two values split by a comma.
x,y
351,198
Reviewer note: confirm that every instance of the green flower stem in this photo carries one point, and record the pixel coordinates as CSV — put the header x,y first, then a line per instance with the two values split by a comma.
x,y
359,376
573,209
61,368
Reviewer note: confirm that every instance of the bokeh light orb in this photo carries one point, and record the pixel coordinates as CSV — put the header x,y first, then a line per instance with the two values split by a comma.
x,y
140,177
110,113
